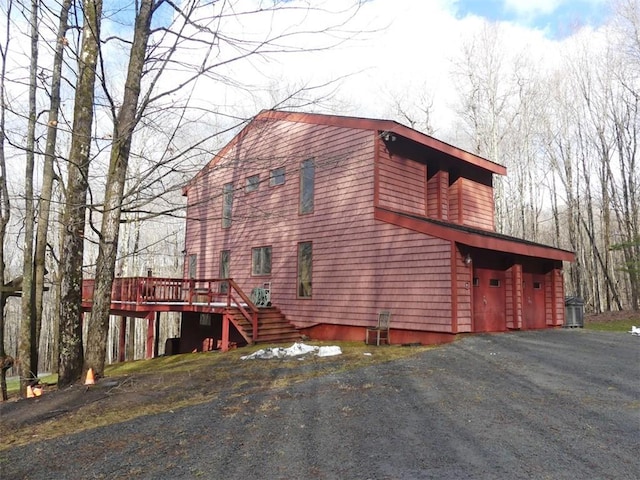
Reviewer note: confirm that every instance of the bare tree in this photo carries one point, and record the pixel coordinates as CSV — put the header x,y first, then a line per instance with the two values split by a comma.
x,y
5,207
487,91
71,353
48,173
124,126
414,107
624,111
28,355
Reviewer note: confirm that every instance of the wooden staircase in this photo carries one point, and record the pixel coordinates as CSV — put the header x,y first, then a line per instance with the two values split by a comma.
x,y
273,326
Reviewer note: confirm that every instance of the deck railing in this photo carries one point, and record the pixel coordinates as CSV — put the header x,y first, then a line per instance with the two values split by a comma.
x,y
217,292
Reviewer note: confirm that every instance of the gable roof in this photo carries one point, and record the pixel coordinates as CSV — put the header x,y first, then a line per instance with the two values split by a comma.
x,y
359,123
390,126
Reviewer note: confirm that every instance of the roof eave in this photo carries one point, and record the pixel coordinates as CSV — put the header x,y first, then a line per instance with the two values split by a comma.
x,y
473,237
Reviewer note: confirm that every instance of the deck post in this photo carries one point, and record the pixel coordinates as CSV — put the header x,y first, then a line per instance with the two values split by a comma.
x,y
224,346
156,337
150,335
122,339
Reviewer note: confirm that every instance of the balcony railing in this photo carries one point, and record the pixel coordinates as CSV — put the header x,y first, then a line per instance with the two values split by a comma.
x,y
149,291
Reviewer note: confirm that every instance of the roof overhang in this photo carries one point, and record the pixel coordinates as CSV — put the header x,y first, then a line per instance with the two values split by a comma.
x,y
374,125
384,126
473,237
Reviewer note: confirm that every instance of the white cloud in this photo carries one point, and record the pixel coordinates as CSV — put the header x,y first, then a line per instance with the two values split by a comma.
x,y
535,8
527,8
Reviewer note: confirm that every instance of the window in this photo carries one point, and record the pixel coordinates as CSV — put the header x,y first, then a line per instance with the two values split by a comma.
x,y
494,282
252,183
307,179
276,176
476,282
305,261
227,204
537,285
193,265
205,319
261,261
225,257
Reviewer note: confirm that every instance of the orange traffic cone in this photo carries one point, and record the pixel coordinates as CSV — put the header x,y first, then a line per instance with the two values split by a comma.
x,y
89,380
30,392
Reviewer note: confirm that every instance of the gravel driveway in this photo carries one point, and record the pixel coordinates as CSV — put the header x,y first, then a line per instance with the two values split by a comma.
x,y
543,404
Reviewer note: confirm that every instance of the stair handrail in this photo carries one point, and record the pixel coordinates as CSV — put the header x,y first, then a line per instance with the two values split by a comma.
x,y
250,317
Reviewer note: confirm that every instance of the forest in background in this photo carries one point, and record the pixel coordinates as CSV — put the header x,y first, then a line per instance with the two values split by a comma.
x,y
567,131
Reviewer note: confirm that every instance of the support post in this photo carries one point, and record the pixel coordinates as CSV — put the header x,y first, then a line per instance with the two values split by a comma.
x,y
122,337
557,299
150,335
224,346
131,339
517,296
156,338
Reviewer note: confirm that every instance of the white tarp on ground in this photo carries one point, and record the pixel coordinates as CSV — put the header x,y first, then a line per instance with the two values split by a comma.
x,y
294,350
635,331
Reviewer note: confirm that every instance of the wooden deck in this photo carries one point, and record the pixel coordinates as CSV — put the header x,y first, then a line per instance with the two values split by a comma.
x,y
146,297
141,295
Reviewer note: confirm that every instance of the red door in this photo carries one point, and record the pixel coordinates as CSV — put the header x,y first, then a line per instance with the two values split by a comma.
x,y
533,306
488,301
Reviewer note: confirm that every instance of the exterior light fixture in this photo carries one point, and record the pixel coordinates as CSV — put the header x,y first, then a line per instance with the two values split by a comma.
x,y
388,136
467,260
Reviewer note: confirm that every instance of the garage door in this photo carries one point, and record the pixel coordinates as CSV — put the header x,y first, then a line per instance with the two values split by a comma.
x,y
488,301
533,308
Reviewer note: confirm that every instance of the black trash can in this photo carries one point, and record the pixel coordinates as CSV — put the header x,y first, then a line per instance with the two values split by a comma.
x,y
574,312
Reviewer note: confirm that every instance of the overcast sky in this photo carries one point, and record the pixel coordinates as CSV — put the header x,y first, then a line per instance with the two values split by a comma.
x,y
409,46
398,49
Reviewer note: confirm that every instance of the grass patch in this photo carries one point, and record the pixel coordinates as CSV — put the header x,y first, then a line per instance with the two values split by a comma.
x,y
13,383
619,321
623,325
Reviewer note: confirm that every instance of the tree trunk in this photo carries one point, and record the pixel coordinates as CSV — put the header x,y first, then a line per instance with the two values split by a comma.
x,y
116,178
28,352
5,205
48,173
70,349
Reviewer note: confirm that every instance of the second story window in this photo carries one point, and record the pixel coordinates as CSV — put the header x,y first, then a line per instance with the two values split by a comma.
x,y
261,261
307,182
276,176
193,265
227,204
252,183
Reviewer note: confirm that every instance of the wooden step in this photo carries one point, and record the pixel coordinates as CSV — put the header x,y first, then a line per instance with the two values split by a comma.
x,y
273,326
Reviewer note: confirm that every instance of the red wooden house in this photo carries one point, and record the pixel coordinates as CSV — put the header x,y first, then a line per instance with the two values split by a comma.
x,y
344,217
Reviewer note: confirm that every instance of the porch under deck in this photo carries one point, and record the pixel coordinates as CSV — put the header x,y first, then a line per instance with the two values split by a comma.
x,y
147,297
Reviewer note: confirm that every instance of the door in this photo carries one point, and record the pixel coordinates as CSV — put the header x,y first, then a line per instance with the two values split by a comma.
x,y
533,301
489,300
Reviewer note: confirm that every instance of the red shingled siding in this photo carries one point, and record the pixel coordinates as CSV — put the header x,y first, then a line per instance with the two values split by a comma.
x,y
462,285
554,298
402,184
471,204
438,196
513,284
359,265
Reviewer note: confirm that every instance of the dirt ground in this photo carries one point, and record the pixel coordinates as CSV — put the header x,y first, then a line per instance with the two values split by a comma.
x,y
125,392
543,404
